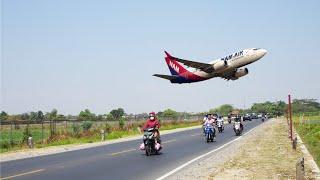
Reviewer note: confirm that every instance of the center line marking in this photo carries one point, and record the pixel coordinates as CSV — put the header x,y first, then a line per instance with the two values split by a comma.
x,y
22,174
172,140
120,152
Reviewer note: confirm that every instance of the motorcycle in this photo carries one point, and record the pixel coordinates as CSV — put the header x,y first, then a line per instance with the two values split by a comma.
x,y
220,125
229,120
150,145
210,133
262,119
237,128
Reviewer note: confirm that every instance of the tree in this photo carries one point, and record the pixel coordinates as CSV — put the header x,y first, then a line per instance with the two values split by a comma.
x,y
223,110
109,117
169,113
40,116
33,116
117,113
86,115
3,116
24,116
53,114
274,108
100,117
305,105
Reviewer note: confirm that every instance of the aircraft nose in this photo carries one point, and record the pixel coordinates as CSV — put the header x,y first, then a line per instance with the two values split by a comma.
x,y
263,52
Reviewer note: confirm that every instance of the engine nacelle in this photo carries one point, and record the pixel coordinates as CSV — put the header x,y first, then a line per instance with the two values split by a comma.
x,y
240,73
220,65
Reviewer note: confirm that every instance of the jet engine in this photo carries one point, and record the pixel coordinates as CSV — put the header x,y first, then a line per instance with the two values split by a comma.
x,y
220,65
240,73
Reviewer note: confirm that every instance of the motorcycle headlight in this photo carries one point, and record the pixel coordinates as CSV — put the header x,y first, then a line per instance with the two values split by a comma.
x,y
144,137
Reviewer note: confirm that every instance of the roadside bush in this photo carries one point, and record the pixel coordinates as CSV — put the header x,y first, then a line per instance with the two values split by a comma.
x,y
86,125
108,128
75,129
5,145
121,123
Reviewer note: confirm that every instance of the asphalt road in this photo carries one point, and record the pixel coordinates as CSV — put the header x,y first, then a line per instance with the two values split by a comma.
x,y
121,160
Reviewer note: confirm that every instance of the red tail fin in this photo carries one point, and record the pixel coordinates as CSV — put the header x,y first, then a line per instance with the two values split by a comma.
x,y
175,67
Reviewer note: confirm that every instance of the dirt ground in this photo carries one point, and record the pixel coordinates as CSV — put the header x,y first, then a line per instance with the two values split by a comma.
x,y
266,155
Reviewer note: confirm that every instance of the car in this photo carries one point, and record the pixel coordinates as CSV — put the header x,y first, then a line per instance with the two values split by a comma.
x,y
254,116
247,117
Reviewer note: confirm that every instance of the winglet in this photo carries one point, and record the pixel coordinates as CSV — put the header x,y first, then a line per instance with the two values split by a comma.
x,y
168,55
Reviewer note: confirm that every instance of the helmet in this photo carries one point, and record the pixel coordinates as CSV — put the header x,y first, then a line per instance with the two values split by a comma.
x,y
152,115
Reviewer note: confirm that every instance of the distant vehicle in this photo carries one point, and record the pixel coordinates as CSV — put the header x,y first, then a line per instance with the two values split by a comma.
x,y
260,115
228,67
247,117
254,116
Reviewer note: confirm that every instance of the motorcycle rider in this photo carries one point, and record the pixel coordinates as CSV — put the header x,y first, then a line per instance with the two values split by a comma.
x,y
205,118
211,121
239,119
153,122
220,119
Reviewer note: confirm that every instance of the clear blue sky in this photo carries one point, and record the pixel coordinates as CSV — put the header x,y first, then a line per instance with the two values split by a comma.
x,y
101,55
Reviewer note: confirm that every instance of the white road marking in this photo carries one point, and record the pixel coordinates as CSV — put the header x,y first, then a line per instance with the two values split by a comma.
x,y
117,153
201,156
172,140
22,174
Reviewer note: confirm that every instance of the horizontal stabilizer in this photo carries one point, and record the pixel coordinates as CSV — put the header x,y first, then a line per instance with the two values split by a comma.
x,y
168,77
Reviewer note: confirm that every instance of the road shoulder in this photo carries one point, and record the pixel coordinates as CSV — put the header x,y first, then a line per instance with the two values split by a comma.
x,y
264,153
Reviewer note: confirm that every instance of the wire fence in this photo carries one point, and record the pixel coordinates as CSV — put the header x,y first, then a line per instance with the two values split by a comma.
x,y
16,133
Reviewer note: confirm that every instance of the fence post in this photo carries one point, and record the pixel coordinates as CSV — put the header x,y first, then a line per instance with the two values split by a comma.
x,y
300,169
294,143
28,128
290,116
11,140
42,135
103,135
50,125
54,126
30,142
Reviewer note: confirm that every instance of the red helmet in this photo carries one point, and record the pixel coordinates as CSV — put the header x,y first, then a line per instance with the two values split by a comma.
x,y
152,114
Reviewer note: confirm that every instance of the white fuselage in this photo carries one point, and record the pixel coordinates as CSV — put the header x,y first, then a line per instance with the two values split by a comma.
x,y
234,61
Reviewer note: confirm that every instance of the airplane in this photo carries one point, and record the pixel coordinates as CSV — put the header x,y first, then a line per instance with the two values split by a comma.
x,y
228,67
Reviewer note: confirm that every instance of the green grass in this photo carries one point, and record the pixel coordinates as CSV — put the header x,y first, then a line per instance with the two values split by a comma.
x,y
64,135
310,134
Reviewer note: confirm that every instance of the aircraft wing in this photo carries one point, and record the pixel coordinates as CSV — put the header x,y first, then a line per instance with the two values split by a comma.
x,y
198,65
208,68
168,77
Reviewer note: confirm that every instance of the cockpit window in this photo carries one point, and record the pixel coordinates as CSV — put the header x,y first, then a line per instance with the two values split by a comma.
x,y
256,49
